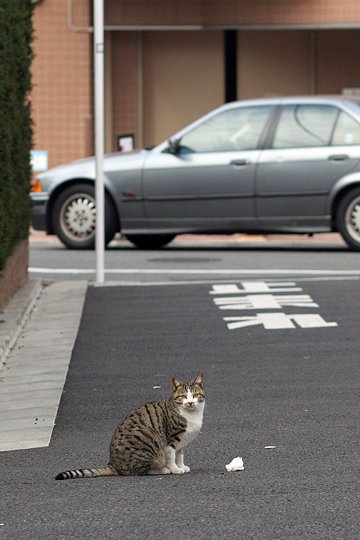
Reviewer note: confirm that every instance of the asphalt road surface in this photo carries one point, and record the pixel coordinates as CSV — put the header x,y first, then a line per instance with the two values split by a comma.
x,y
281,363
193,258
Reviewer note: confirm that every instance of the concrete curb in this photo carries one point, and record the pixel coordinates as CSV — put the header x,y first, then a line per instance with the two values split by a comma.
x,y
15,315
33,376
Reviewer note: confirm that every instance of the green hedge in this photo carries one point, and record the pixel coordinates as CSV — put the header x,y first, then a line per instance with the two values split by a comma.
x,y
15,123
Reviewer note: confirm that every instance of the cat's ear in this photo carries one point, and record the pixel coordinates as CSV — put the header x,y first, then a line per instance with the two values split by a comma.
x,y
175,383
199,379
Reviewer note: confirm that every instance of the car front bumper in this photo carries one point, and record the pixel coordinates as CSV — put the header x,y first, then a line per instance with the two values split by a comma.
x,y
38,219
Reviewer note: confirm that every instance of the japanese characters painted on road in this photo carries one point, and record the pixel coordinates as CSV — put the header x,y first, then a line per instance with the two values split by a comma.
x,y
260,295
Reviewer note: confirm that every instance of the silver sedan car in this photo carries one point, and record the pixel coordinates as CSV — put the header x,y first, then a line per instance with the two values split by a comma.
x,y
285,165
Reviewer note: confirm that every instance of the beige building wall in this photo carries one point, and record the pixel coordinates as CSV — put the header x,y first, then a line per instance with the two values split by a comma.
x,y
125,81
183,78
157,81
272,63
62,82
232,12
338,61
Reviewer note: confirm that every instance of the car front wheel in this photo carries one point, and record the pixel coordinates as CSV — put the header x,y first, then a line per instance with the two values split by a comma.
x,y
74,217
348,218
150,241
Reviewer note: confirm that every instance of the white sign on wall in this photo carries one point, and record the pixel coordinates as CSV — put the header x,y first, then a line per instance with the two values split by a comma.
x,y
39,160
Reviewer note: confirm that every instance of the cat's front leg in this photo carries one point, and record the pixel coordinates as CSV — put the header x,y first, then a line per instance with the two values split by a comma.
x,y
179,460
171,461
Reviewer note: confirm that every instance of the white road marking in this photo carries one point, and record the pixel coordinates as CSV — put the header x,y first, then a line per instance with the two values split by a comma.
x,y
265,301
43,270
255,287
278,321
155,283
206,282
196,271
255,301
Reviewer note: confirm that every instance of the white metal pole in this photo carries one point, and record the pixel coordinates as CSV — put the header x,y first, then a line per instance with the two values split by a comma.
x,y
99,136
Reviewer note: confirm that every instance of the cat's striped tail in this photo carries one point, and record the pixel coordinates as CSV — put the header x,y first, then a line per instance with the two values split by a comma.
x,y
86,473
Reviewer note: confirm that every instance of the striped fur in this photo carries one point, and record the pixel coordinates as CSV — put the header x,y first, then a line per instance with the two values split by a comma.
x,y
151,439
86,473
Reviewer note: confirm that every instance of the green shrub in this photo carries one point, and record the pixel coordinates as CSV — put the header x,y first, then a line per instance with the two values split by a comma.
x,y
15,123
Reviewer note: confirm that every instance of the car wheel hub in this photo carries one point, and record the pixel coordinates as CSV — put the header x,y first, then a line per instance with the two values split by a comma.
x,y
79,216
353,218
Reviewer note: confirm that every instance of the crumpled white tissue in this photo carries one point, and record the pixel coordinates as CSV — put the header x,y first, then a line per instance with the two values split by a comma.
x,y
236,464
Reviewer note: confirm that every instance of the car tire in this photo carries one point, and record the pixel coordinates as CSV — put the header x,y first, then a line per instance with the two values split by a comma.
x,y
150,241
74,217
348,218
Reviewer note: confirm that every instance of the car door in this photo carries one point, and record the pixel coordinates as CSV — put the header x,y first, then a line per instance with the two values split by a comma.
x,y
295,175
208,183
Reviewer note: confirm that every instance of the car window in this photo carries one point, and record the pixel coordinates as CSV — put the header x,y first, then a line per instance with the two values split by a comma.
x,y
234,129
305,125
347,130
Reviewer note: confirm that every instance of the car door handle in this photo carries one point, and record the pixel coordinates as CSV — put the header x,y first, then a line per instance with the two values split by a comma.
x,y
338,157
240,162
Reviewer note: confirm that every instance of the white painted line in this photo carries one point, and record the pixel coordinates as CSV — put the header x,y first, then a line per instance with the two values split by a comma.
x,y
197,271
35,373
264,301
43,270
278,321
329,278
256,300
255,287
206,282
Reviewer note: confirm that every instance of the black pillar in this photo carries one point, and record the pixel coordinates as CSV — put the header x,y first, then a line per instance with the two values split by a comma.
x,y
230,63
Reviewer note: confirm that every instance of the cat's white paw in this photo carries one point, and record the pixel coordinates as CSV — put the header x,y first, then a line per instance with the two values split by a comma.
x,y
186,468
176,470
164,470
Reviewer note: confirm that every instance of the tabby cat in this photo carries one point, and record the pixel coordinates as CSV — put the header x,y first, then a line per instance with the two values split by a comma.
x,y
152,438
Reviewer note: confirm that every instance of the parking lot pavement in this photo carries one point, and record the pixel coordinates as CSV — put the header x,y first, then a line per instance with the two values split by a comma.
x,y
281,392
